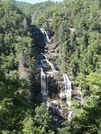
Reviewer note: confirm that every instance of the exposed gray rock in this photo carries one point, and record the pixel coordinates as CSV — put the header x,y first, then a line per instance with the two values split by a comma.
x,y
39,37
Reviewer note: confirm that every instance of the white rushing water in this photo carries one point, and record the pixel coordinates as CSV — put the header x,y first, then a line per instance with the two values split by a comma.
x,y
48,103
43,83
68,90
51,65
46,39
43,64
44,89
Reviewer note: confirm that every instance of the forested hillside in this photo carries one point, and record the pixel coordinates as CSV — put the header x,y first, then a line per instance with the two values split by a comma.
x,y
76,32
77,49
17,60
77,39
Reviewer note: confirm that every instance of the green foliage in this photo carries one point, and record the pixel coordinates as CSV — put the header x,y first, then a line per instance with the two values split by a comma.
x,y
79,49
84,42
15,37
40,20
88,118
13,106
44,118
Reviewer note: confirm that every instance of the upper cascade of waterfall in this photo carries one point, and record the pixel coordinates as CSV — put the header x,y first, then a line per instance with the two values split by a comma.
x,y
46,39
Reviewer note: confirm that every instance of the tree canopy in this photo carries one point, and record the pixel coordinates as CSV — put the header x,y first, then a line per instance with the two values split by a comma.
x,y
76,27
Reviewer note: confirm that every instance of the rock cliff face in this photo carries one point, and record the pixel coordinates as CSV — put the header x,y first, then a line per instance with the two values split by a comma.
x,y
53,89
40,37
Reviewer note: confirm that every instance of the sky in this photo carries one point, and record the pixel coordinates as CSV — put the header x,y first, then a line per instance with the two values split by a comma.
x,y
38,1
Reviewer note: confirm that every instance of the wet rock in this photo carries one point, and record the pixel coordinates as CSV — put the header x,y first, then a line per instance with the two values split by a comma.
x,y
62,95
39,57
38,36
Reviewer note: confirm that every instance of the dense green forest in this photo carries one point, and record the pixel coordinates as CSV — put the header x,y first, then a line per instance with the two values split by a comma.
x,y
76,26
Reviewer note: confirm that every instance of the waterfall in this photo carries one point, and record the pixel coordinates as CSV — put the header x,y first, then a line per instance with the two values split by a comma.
x,y
43,64
43,83
46,39
44,88
68,89
48,103
51,65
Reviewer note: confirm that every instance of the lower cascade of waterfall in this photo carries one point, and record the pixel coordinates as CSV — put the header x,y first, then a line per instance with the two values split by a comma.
x,y
68,90
56,102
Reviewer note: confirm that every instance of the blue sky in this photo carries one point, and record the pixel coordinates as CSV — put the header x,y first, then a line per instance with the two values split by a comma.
x,y
38,1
